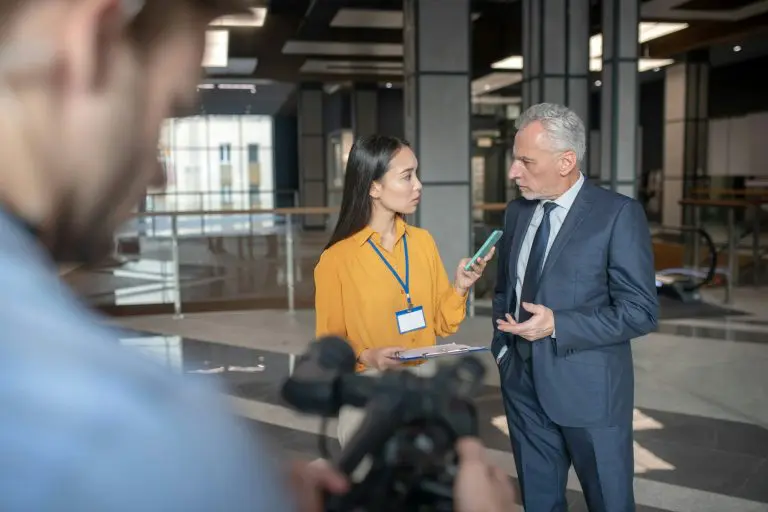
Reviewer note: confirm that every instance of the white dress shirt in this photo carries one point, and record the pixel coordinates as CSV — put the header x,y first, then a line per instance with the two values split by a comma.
x,y
556,219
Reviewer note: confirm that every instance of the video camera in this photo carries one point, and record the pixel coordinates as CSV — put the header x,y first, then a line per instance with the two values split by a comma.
x,y
409,432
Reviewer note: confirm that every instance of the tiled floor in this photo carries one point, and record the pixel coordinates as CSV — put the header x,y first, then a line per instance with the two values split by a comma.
x,y
701,426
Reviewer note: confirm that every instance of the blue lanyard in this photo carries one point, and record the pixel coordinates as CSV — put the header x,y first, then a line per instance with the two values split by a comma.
x,y
405,284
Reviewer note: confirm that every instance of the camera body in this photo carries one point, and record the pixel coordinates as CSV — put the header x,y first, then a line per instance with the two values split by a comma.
x,y
410,428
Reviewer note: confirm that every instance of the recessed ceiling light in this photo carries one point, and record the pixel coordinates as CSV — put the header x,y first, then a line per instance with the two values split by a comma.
x,y
494,81
389,85
647,31
598,83
216,49
737,48
256,18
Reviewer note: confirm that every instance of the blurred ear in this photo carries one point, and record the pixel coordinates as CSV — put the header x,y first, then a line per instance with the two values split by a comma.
x,y
567,163
375,190
92,32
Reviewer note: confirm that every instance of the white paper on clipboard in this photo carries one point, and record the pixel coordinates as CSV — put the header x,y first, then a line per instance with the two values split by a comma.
x,y
437,351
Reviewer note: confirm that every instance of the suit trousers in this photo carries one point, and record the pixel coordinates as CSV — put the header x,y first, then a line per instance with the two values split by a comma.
x,y
544,451
350,418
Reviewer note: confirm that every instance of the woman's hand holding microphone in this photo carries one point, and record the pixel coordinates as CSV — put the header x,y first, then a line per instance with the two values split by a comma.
x,y
466,279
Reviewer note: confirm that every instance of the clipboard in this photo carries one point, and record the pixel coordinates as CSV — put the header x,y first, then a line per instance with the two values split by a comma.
x,y
451,349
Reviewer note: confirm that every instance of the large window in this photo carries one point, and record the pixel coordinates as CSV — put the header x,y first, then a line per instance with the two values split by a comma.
x,y
219,162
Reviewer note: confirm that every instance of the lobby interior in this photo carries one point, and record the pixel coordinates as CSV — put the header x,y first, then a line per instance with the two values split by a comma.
x,y
213,275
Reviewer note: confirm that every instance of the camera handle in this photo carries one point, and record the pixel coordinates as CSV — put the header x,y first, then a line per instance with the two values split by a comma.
x,y
380,422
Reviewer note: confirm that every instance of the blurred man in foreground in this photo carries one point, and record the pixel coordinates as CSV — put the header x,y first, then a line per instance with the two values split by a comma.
x,y
84,88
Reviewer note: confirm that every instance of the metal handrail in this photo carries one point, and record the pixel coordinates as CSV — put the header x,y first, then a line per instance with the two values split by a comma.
x,y
306,210
731,206
710,243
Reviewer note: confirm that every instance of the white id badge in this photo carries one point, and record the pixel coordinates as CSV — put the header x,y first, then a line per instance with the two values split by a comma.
x,y
410,320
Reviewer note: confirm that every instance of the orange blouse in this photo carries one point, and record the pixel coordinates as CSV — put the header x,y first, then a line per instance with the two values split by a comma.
x,y
356,295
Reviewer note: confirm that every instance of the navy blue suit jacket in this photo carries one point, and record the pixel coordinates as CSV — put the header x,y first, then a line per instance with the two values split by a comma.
x,y
599,280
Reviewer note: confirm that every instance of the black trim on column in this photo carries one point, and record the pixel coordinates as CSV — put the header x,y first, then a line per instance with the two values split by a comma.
x,y
542,17
417,91
567,91
471,233
635,142
535,84
414,75
615,90
615,46
306,221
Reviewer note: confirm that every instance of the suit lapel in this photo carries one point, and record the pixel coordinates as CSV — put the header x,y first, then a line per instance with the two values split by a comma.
x,y
524,217
579,210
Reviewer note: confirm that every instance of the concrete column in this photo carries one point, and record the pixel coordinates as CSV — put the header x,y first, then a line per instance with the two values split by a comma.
x,y
685,133
437,36
556,54
365,109
620,97
311,153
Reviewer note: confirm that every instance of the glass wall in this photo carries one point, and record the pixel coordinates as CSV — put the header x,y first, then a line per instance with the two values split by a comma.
x,y
217,163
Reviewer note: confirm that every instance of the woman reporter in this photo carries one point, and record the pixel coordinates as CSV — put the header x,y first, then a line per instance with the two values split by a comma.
x,y
380,283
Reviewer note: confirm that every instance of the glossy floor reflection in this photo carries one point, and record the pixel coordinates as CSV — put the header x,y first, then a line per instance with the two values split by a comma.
x,y
697,446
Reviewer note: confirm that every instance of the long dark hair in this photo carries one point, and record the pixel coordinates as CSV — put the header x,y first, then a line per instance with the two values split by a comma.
x,y
368,162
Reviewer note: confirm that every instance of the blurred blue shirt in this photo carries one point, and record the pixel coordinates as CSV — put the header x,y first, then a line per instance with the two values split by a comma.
x,y
88,425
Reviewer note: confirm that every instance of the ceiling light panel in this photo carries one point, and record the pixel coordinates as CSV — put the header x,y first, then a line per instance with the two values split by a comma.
x,y
649,64
352,67
647,31
642,64
216,49
372,18
494,81
338,48
255,18
238,66
496,100
511,62
368,18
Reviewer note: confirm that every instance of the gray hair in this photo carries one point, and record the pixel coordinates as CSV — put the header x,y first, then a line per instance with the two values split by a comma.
x,y
565,129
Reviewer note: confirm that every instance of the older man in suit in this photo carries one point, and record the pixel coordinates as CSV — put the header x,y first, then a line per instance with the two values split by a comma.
x,y
575,285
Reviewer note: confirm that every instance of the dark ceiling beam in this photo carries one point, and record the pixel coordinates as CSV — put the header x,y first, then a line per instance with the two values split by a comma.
x,y
316,26
496,34
350,34
701,35
266,44
319,14
286,7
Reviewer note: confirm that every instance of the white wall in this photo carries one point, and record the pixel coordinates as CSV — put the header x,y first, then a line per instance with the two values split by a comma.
x,y
194,160
737,146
